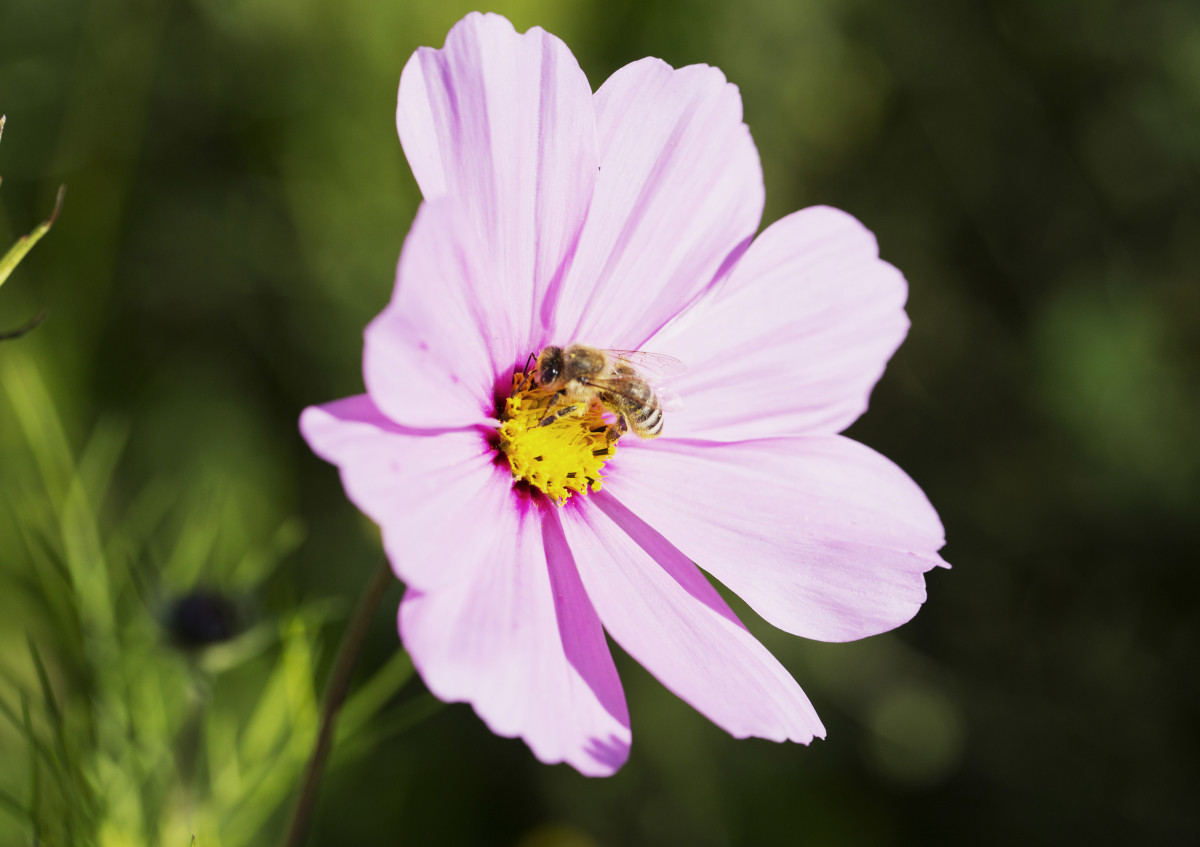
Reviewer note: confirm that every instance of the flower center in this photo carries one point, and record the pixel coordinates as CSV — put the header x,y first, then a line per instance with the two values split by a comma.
x,y
556,446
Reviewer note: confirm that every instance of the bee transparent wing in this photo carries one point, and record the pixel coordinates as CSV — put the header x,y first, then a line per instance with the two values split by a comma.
x,y
650,368
630,387
668,400
653,367
635,386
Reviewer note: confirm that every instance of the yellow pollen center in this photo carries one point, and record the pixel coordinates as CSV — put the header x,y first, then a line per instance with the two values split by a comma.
x,y
556,447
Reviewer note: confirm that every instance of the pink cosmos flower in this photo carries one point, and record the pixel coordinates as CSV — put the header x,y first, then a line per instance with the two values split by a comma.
x,y
620,219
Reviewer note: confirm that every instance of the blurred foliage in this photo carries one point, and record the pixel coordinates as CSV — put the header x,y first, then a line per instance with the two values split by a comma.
x,y
238,201
132,738
14,255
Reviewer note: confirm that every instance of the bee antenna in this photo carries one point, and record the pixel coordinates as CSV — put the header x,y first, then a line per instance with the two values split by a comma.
x,y
526,376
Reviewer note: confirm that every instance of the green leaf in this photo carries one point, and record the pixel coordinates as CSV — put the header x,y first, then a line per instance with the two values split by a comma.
x,y
401,719
7,801
24,725
39,421
25,243
276,741
373,695
35,786
53,588
100,455
70,771
56,715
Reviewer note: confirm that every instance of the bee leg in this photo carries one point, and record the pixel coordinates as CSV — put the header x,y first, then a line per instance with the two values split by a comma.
x,y
527,375
616,430
551,406
562,412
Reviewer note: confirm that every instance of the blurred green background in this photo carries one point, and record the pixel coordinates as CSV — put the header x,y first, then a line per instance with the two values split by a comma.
x,y
236,203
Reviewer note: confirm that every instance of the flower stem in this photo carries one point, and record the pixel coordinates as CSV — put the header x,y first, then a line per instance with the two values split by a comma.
x,y
339,682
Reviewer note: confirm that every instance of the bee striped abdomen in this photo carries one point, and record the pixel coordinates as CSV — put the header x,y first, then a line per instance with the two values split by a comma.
x,y
639,409
580,375
650,424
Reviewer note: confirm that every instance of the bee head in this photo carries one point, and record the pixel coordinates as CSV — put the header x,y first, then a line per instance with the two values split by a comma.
x,y
550,365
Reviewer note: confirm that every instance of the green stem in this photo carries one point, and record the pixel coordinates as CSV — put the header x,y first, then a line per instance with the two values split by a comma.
x,y
339,682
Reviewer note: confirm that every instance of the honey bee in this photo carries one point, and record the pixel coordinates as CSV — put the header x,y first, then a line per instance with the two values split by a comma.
x,y
579,374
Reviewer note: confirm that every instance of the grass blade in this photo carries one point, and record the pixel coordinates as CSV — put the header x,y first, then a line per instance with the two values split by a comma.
x,y
35,781
373,695
25,243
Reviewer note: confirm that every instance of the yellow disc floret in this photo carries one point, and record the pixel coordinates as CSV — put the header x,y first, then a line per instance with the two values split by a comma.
x,y
557,448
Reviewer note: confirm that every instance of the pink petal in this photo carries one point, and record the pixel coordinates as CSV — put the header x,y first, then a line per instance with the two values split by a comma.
x,y
521,642
505,123
664,613
679,188
417,486
795,339
433,356
822,536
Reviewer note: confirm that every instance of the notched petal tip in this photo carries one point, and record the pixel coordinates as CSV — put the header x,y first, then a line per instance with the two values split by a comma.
x,y
599,754
823,537
326,427
657,605
809,317
505,124
518,639
680,189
